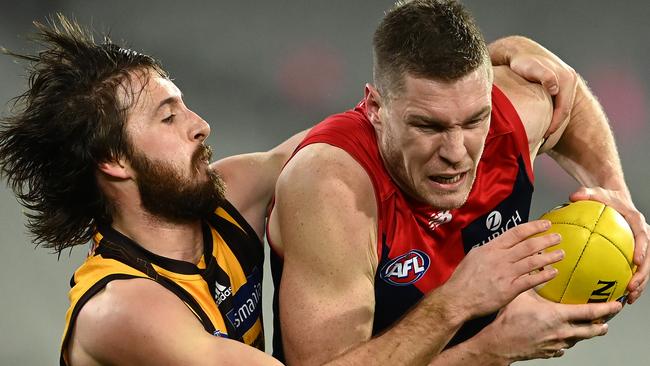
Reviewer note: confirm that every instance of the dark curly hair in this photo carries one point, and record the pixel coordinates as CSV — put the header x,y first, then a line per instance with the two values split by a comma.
x,y
68,121
434,39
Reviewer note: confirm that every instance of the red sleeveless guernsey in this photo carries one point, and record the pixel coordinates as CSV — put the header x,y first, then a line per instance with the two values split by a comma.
x,y
418,246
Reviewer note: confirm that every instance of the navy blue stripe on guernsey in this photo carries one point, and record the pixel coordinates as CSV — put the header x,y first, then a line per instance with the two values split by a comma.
x,y
232,211
84,299
120,253
173,265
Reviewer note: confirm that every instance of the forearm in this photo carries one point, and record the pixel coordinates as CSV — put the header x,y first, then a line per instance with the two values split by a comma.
x,y
414,340
586,149
470,352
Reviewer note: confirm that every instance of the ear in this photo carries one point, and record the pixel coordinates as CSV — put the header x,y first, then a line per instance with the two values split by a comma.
x,y
373,106
116,169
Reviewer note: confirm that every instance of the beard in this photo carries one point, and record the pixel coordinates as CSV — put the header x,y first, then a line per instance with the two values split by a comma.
x,y
165,193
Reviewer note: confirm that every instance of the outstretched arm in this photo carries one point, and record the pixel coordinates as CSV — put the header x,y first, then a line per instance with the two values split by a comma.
x,y
250,179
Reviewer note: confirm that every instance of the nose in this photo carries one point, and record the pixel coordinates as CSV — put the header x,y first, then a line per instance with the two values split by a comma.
x,y
200,129
452,149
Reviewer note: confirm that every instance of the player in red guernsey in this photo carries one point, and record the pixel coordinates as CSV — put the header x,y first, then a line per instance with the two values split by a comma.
x,y
382,215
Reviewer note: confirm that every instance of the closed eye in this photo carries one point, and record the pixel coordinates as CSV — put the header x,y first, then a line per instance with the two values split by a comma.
x,y
425,127
474,123
169,119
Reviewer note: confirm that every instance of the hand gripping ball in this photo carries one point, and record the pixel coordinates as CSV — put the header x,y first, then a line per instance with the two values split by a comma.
x,y
598,245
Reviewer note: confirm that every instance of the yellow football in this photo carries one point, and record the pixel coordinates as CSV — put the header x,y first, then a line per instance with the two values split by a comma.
x,y
598,246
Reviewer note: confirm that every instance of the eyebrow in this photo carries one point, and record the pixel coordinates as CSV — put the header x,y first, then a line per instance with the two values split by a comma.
x,y
433,121
169,100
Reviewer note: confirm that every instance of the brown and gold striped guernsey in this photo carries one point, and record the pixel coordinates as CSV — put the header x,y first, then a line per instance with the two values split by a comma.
x,y
224,290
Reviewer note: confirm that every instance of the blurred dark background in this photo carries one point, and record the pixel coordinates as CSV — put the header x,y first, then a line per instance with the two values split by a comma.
x,y
260,71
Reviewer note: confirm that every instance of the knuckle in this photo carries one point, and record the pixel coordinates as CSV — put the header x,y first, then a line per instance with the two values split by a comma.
x,y
571,73
561,335
520,231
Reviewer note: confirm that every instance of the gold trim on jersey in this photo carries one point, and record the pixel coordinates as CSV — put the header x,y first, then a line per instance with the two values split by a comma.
x,y
98,270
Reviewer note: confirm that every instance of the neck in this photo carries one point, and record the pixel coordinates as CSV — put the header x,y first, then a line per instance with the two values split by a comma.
x,y
180,241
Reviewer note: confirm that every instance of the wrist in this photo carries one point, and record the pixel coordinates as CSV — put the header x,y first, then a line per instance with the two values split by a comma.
x,y
484,350
450,306
502,49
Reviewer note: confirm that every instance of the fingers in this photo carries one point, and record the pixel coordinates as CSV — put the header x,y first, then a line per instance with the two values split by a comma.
x,y
536,263
534,245
588,313
641,236
532,69
530,257
583,193
519,233
583,331
559,353
563,101
530,280
570,334
638,282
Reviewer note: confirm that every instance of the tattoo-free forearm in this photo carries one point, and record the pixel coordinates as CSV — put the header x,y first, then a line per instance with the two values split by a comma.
x,y
587,149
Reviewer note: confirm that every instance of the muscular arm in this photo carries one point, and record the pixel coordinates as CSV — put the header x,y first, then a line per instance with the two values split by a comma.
x,y
534,107
530,327
250,179
328,232
325,223
587,151
584,147
138,322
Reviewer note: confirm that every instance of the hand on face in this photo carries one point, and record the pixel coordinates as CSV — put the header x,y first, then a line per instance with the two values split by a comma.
x,y
492,275
532,327
622,202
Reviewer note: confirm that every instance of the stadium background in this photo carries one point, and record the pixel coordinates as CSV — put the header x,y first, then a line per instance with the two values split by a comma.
x,y
260,71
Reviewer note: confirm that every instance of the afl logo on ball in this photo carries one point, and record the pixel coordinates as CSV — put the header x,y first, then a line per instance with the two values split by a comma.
x,y
405,269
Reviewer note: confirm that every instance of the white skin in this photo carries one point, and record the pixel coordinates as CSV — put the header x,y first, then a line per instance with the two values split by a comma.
x,y
129,322
138,322
433,153
431,135
535,63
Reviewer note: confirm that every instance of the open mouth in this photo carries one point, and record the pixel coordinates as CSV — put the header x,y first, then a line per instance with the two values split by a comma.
x,y
448,179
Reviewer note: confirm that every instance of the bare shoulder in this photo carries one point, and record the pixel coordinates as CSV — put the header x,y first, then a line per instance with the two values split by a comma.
x,y
533,104
122,321
327,164
329,180
324,195
325,222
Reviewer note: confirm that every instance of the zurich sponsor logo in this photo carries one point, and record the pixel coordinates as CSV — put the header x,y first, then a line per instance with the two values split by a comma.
x,y
493,221
406,269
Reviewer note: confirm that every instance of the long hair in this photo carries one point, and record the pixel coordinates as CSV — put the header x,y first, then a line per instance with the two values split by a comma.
x,y
68,121
434,39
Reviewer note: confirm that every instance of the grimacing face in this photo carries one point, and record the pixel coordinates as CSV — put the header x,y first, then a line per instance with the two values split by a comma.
x,y
432,133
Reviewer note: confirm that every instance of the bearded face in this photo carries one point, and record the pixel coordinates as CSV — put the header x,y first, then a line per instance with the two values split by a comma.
x,y
171,193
